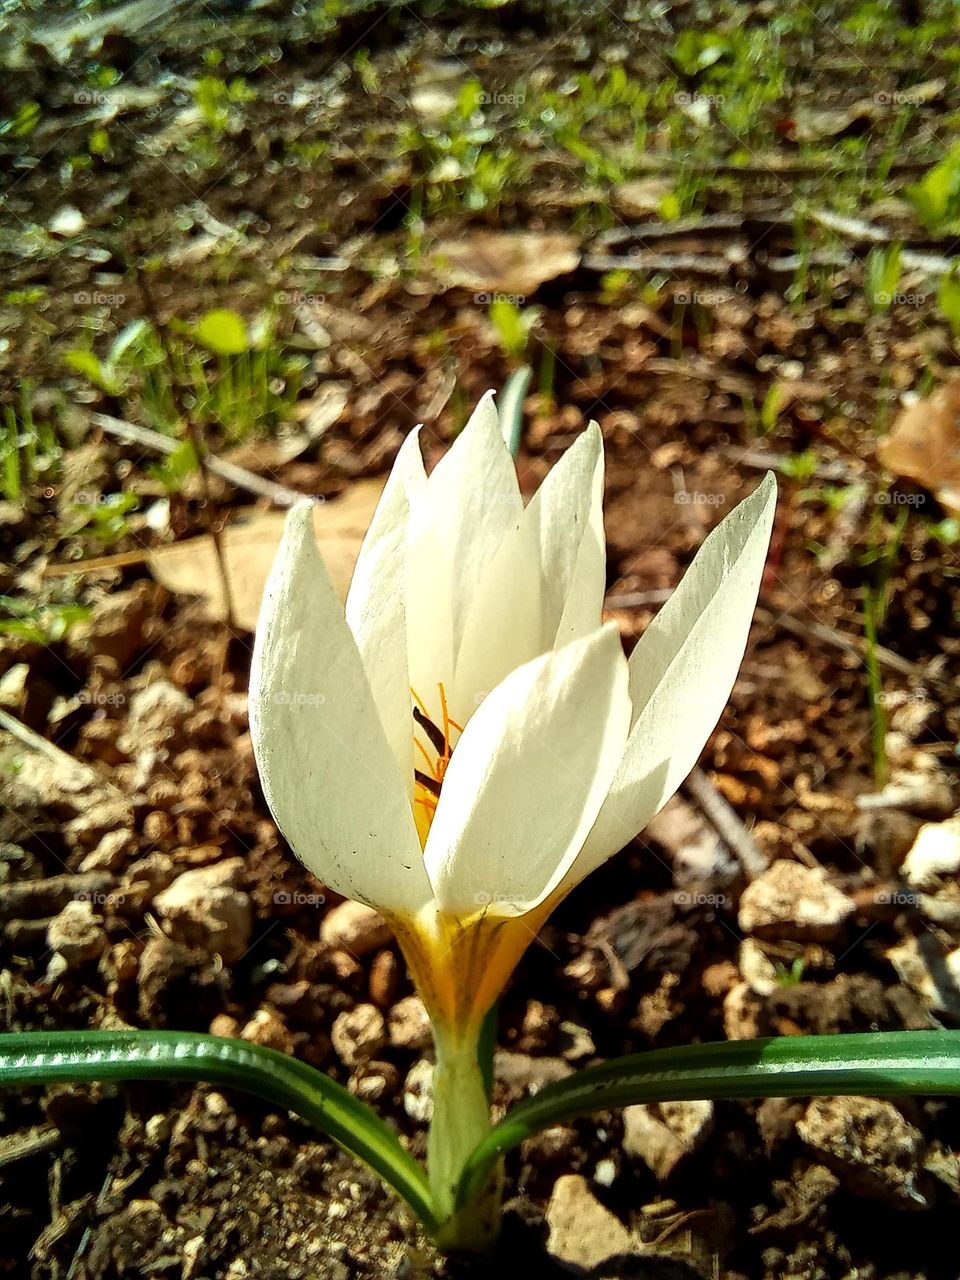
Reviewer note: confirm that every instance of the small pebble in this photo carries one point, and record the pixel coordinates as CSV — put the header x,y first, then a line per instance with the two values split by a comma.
x,y
409,1024
583,1234
67,222
77,934
358,1034
793,901
384,979
355,928
268,1029
418,1092
206,908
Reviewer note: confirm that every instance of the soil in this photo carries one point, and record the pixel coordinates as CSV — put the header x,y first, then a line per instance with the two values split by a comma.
x,y
148,692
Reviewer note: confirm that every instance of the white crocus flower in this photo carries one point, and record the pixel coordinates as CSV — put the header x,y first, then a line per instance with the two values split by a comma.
x,y
467,741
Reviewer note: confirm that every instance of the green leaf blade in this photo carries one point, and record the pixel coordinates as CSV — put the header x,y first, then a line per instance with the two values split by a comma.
x,y
511,408
879,1064
46,1057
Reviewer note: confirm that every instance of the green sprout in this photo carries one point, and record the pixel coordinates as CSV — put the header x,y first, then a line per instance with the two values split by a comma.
x,y
936,197
39,624
881,277
238,380
512,325
948,300
30,450
791,977
24,120
103,517
882,555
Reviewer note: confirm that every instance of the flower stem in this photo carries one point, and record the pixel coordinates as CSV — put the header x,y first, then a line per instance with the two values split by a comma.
x,y
461,1119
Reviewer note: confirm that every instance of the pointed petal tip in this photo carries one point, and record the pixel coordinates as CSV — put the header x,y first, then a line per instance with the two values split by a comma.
x,y
590,438
297,543
485,417
411,444
764,501
299,518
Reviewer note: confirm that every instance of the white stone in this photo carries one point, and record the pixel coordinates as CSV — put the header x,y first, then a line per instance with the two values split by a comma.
x,y
582,1232
358,1034
356,928
935,853
67,221
793,901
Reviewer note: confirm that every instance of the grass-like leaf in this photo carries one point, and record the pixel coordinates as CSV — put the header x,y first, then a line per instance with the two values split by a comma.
x,y
43,1057
511,407
877,1064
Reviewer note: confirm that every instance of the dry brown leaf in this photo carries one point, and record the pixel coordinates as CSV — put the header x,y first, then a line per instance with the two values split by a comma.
x,y
814,123
261,456
924,445
190,568
515,262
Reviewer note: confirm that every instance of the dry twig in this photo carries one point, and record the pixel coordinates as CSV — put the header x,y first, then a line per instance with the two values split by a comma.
x,y
726,822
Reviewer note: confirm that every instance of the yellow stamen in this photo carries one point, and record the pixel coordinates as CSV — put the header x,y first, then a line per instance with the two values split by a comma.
x,y
427,757
424,796
446,719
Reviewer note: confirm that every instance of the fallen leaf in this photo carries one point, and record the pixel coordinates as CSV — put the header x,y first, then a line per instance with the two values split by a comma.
x,y
126,20
924,445
815,123
916,96
190,567
515,262
266,455
324,409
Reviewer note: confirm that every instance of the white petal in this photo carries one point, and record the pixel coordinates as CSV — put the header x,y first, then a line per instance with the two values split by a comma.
x,y
527,778
544,587
476,500
681,674
376,604
326,767
428,586
567,510
503,628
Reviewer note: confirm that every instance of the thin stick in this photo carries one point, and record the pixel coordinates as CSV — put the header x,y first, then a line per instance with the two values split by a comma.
x,y
769,460
851,645
638,599
819,631
36,742
684,227
727,822
859,229
119,561
194,435
278,494
16,1146
704,264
